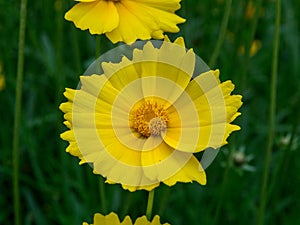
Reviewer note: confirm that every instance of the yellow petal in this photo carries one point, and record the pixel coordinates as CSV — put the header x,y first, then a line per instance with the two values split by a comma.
x,y
192,171
69,94
167,5
92,84
163,162
140,187
84,102
156,221
68,135
73,149
66,107
97,16
120,74
183,126
111,218
126,221
204,115
166,71
155,15
144,221
113,168
130,28
86,0
68,124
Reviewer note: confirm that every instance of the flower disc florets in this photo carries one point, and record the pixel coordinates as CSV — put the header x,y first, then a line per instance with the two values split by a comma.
x,y
149,119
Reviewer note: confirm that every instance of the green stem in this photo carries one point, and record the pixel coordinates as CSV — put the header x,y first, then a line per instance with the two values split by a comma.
x,y
279,169
101,184
128,200
18,106
164,200
98,45
102,196
249,43
150,204
223,187
59,73
76,51
263,197
98,51
222,34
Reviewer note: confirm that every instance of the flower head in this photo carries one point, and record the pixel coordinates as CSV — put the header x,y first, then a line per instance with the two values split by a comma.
x,y
140,122
126,20
113,219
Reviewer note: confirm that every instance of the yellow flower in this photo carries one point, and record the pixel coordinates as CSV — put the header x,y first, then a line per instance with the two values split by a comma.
x,y
254,48
250,10
2,78
113,219
140,122
2,82
126,20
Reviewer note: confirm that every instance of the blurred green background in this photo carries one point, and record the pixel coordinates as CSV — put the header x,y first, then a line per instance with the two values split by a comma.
x,y
54,189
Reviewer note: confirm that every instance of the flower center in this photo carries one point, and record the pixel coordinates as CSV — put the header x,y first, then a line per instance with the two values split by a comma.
x,y
150,119
156,125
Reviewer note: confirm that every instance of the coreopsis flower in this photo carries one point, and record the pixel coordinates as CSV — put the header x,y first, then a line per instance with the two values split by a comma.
x,y
140,122
126,20
254,48
113,219
250,10
2,78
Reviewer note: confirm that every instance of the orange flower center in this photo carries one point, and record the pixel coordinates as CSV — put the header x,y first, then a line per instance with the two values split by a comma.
x,y
150,118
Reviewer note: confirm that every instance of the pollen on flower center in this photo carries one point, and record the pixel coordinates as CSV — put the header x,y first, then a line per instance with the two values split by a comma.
x,y
156,125
149,119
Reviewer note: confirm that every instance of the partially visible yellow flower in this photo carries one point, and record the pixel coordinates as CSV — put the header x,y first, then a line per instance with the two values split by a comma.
x,y
113,219
126,20
140,122
254,48
2,82
250,10
2,78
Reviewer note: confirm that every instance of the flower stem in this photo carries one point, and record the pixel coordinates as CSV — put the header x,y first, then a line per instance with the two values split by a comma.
x,y
150,204
102,196
282,162
164,201
101,184
98,52
273,90
221,37
249,43
18,105
223,187
98,45
59,73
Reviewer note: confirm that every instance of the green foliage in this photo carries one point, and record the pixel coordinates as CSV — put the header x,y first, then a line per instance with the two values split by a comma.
x,y
56,190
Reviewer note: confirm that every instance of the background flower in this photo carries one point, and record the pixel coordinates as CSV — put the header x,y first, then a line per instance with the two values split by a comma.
x,y
2,78
147,117
126,20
